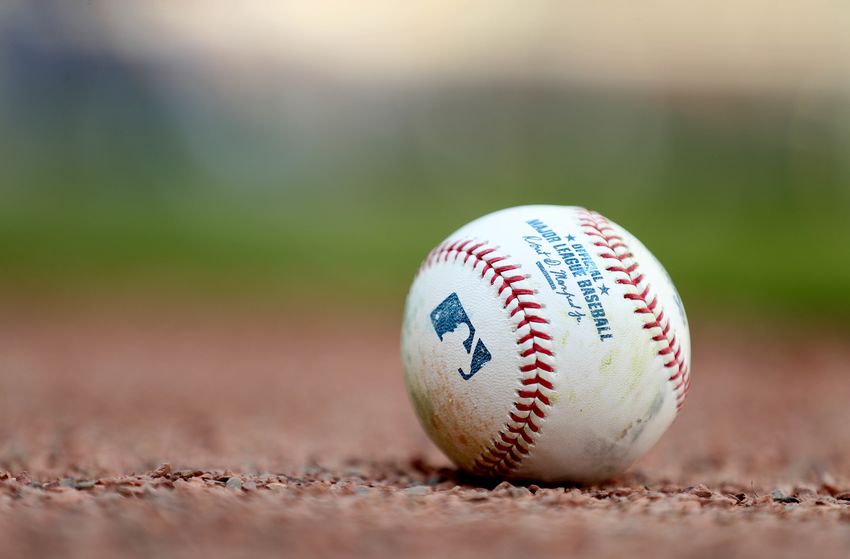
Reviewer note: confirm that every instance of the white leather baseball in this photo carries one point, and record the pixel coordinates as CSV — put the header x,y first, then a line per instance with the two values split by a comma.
x,y
545,343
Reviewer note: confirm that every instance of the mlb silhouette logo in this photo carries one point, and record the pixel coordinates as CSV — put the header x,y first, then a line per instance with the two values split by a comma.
x,y
445,318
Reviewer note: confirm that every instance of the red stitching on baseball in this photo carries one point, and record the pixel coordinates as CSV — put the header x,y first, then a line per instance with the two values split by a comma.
x,y
505,451
596,226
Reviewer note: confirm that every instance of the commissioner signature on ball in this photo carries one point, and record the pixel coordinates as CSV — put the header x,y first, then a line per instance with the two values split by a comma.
x,y
557,280
556,277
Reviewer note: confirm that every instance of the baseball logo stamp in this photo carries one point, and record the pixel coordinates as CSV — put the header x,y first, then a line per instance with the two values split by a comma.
x,y
447,317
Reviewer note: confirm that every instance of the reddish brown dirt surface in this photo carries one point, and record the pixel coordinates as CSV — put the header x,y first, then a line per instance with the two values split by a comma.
x,y
163,432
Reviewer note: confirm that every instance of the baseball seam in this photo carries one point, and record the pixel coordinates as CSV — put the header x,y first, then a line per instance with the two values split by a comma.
x,y
639,290
516,437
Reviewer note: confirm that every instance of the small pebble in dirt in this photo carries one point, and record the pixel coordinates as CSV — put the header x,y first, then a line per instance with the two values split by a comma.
x,y
780,497
479,495
276,487
702,492
417,490
24,477
234,483
162,470
85,484
503,487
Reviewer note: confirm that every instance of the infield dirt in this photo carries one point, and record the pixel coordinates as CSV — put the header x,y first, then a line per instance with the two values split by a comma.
x,y
156,431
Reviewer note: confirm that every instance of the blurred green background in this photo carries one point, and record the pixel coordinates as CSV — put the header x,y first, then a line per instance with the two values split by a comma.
x,y
208,150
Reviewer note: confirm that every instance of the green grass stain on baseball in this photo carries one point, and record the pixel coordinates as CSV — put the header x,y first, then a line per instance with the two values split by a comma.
x,y
605,364
643,355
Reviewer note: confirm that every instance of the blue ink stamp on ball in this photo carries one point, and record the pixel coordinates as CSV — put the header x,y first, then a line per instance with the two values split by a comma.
x,y
445,318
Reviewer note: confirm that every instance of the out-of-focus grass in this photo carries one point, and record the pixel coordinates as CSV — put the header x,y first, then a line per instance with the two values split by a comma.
x,y
744,201
366,254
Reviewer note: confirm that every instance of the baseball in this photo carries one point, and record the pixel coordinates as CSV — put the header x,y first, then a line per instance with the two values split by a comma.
x,y
545,343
